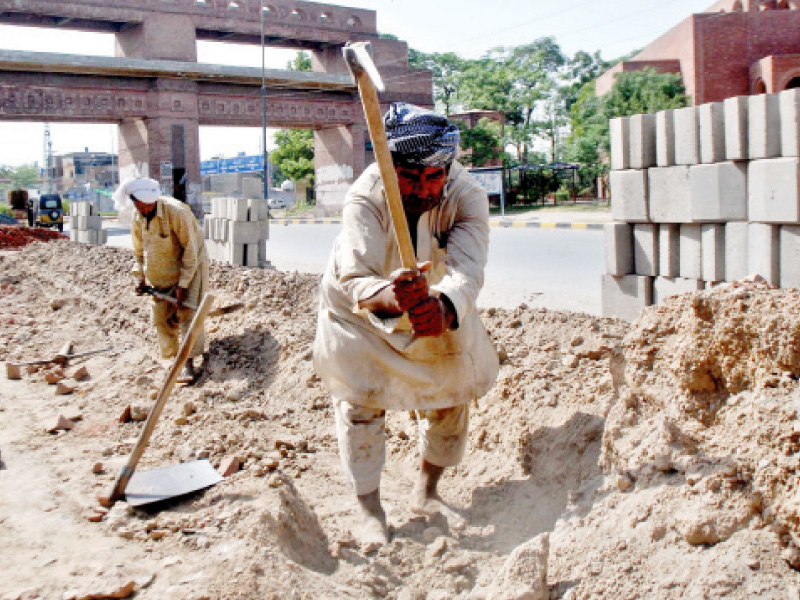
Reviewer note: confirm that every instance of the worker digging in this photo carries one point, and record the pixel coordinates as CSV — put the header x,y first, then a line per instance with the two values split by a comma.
x,y
170,253
394,338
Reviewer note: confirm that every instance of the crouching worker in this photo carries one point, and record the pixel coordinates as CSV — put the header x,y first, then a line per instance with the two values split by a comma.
x,y
390,338
170,254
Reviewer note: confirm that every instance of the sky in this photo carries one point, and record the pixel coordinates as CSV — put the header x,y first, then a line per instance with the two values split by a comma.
x,y
467,27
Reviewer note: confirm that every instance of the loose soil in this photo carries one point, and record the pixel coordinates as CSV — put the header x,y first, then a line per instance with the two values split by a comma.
x,y
653,460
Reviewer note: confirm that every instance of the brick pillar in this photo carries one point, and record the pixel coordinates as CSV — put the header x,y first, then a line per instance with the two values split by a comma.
x,y
340,156
166,145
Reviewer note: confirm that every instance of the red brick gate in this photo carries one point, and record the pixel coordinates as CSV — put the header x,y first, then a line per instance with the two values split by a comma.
x,y
159,95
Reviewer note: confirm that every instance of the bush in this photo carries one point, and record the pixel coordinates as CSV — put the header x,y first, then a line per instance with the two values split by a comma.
x,y
563,193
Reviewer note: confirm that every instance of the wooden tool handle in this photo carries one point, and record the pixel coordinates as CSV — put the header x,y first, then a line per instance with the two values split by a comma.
x,y
144,437
377,133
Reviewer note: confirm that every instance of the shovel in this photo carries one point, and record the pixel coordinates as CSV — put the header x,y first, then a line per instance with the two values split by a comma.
x,y
168,482
14,371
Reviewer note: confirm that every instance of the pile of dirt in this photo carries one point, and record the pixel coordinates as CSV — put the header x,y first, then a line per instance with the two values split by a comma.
x,y
12,237
646,461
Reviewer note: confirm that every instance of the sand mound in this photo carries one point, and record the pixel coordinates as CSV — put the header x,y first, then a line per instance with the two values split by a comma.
x,y
609,461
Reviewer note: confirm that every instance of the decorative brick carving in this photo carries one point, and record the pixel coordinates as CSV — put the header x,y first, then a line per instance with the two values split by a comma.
x,y
61,104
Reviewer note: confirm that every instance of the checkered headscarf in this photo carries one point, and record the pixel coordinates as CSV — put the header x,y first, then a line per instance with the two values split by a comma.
x,y
420,136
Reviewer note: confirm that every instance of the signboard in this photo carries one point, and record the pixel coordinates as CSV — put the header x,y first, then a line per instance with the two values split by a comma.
x,y
490,181
237,164
166,168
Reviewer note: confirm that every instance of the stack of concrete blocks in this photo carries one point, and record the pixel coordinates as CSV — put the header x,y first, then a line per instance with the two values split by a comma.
x,y
702,195
237,230
86,224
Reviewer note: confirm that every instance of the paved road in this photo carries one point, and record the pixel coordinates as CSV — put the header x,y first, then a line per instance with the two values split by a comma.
x,y
550,268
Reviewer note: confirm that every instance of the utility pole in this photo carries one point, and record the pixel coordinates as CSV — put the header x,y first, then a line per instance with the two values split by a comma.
x,y
264,154
48,160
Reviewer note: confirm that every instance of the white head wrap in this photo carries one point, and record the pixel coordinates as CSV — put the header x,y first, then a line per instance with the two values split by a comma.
x,y
143,189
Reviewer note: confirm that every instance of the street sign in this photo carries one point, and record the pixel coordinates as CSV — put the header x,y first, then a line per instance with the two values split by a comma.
x,y
490,181
238,164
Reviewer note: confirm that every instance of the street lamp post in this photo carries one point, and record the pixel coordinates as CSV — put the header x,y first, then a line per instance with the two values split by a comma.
x,y
265,155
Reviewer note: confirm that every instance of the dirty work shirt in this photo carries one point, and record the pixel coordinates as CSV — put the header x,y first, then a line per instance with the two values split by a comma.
x,y
378,363
170,251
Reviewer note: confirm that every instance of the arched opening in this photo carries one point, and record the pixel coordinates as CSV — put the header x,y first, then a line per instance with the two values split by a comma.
x,y
793,84
783,5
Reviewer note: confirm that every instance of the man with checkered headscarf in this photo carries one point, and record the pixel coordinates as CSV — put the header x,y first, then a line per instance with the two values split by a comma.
x,y
407,339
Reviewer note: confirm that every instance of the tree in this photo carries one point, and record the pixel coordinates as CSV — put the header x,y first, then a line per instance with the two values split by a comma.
x,y
515,81
294,154
637,92
483,142
446,69
21,177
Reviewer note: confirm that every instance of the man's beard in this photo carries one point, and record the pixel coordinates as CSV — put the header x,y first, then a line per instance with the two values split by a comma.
x,y
417,204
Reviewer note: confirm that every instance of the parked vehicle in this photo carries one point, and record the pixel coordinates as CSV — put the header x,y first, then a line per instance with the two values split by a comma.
x,y
47,211
18,205
276,203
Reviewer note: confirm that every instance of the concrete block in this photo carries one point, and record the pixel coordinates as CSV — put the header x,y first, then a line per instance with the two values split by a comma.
x,y
670,194
691,252
259,210
736,110
665,138
223,229
790,256
94,222
247,232
73,235
711,119
645,250
102,236
219,208
763,251
642,135
669,254
687,136
629,196
626,297
773,190
664,287
764,127
619,249
719,192
236,254
736,246
789,105
251,255
237,209
619,133
207,227
713,252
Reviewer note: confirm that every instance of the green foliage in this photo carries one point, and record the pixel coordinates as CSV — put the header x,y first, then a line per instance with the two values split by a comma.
x,y
294,154
482,141
22,177
301,62
447,69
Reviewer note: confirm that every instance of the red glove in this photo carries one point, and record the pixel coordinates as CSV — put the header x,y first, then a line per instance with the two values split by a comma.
x,y
431,317
410,286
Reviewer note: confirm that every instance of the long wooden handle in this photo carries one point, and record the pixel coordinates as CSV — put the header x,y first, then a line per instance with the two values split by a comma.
x,y
377,133
144,437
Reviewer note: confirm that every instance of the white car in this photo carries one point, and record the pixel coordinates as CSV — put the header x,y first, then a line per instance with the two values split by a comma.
x,y
276,203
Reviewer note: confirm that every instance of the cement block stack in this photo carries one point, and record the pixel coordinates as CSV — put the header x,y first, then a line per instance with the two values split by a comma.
x,y
702,195
86,224
237,230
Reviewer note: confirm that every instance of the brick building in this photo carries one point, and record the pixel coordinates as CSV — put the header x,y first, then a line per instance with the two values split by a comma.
x,y
734,48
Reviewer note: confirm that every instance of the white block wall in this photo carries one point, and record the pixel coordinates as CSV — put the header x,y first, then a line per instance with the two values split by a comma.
x,y
86,224
702,195
237,230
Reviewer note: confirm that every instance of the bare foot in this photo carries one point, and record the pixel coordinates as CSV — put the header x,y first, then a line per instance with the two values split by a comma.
x,y
430,504
425,500
374,530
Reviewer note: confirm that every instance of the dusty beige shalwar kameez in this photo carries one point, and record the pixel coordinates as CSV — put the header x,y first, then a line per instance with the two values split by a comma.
x,y
170,252
371,364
